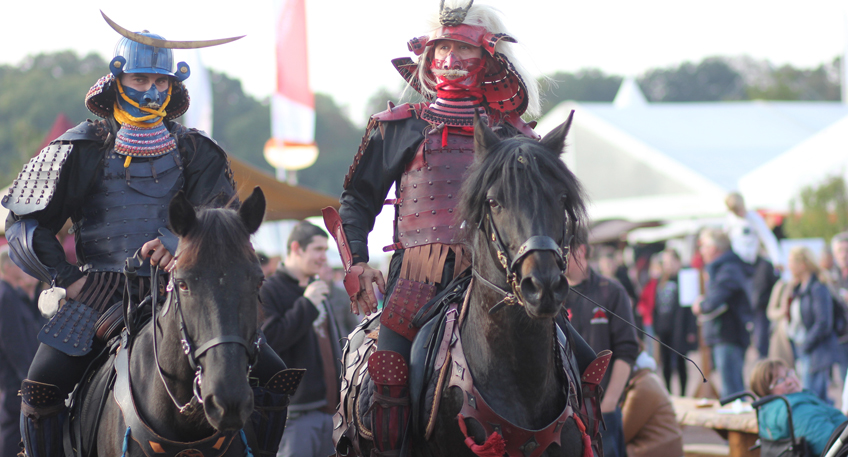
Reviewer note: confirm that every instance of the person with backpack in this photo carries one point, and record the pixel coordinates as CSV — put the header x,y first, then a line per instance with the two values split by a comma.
x,y
811,324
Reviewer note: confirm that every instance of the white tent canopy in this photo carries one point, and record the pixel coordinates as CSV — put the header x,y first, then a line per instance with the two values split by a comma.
x,y
780,180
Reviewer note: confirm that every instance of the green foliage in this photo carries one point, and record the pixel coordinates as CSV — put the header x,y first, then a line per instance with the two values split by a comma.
x,y
337,139
587,85
790,83
240,123
711,80
819,211
34,93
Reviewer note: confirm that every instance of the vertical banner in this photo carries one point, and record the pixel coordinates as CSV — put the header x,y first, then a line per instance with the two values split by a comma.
x,y
199,114
293,104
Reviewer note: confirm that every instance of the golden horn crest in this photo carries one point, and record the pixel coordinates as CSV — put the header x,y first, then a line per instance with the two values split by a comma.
x,y
157,43
453,16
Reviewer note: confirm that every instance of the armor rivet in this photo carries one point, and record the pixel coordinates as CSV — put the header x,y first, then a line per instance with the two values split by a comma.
x,y
434,212
447,167
414,200
426,240
417,230
434,229
416,214
108,238
430,183
449,181
415,186
450,195
432,197
450,210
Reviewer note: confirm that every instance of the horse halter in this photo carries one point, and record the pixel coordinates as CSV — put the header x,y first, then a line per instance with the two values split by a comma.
x,y
510,266
193,355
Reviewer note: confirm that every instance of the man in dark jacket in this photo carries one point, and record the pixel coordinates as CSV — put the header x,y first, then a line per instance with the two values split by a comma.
x,y
725,309
300,326
20,322
604,331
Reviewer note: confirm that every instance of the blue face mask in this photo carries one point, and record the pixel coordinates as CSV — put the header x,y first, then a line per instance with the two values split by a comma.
x,y
142,98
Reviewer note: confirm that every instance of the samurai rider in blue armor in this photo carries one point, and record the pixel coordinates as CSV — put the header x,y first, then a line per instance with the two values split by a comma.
x,y
114,179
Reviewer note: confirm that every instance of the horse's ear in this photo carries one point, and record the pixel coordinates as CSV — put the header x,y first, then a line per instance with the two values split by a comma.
x,y
181,214
484,138
555,140
253,210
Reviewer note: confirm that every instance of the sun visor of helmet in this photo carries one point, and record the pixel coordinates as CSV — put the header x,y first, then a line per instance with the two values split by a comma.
x,y
470,34
134,57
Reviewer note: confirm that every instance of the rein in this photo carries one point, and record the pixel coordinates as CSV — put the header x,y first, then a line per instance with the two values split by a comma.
x,y
188,348
252,348
510,266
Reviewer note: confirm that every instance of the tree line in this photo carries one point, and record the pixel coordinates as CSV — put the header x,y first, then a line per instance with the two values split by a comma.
x,y
36,90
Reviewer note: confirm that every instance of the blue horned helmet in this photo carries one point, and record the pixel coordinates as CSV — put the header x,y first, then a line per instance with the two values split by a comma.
x,y
134,57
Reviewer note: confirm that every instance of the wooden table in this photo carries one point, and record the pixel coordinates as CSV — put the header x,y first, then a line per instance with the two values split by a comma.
x,y
740,430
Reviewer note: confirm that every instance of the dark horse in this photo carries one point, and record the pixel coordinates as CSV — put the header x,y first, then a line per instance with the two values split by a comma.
x,y
520,206
186,391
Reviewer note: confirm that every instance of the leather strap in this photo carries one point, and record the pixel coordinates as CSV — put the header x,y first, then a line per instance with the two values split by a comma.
x,y
333,222
150,442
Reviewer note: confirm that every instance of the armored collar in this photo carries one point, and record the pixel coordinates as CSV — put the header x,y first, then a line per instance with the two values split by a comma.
x,y
134,141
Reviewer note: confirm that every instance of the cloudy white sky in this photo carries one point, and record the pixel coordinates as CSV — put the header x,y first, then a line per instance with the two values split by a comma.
x,y
352,42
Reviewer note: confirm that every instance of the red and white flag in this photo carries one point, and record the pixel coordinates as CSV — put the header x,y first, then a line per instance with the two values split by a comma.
x,y
293,103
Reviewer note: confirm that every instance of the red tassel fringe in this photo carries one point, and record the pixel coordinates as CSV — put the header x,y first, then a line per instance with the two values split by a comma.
x,y
495,446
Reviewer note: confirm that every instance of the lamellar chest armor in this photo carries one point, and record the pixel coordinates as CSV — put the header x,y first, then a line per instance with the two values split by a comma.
x,y
429,190
126,209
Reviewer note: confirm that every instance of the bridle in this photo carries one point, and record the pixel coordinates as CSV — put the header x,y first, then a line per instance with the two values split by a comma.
x,y
193,354
510,266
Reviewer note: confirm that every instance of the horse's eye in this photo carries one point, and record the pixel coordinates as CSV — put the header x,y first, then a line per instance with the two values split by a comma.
x,y
182,285
563,199
493,203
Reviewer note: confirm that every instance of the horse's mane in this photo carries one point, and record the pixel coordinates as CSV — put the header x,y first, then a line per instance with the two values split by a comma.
x,y
217,237
527,183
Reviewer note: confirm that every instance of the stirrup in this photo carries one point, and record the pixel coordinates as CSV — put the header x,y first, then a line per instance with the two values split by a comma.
x,y
270,409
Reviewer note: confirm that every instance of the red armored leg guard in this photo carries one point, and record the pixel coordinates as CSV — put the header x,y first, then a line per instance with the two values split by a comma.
x,y
390,410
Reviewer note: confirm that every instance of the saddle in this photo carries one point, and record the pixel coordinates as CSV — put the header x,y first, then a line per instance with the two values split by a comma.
x,y
436,358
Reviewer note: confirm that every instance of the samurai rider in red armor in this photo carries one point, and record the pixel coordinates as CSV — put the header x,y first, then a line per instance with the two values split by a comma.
x,y
114,178
464,65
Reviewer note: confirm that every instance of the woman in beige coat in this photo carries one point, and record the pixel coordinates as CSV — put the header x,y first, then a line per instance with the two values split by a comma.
x,y
650,426
777,312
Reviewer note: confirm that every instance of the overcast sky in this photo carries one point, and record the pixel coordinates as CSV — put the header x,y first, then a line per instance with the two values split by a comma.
x,y
351,42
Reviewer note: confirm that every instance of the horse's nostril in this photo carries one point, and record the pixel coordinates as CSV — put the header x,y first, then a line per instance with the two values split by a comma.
x,y
530,286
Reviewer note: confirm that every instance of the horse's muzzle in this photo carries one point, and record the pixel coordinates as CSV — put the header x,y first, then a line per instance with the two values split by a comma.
x,y
543,286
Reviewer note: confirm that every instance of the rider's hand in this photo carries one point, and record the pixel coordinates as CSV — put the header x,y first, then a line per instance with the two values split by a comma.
x,y
158,254
73,291
366,301
316,292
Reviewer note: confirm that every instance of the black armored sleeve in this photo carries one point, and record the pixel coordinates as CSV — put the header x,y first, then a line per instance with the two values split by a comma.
x,y
76,177
379,165
208,178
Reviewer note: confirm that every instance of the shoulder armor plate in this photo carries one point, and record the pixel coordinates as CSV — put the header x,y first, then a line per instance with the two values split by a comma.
x,y
394,113
88,130
35,185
